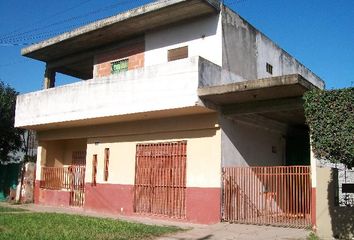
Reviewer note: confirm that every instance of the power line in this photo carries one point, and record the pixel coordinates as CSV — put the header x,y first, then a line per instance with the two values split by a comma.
x,y
74,18
7,35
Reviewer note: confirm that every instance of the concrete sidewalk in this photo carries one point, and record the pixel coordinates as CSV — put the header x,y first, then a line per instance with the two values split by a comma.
x,y
220,231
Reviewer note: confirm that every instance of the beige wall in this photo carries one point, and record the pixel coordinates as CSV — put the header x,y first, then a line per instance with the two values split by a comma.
x,y
201,132
331,220
203,156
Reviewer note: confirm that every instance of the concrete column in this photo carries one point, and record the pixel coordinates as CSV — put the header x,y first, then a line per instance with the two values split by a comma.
x,y
41,159
49,78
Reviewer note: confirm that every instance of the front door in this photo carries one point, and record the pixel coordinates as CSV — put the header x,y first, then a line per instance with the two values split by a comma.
x,y
160,179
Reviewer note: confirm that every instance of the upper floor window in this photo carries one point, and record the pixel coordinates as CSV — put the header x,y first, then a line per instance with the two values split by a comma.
x,y
269,68
119,66
177,53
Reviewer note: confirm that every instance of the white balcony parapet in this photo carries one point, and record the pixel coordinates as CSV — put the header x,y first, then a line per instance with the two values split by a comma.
x,y
160,87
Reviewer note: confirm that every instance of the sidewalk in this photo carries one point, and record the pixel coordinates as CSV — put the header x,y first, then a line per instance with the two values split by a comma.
x,y
220,231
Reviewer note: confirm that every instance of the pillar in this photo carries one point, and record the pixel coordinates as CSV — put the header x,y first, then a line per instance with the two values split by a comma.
x,y
49,78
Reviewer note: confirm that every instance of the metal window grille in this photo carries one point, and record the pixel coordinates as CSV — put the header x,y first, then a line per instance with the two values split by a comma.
x,y
119,66
79,158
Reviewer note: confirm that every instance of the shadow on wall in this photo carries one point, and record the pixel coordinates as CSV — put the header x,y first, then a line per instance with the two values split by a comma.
x,y
342,218
247,145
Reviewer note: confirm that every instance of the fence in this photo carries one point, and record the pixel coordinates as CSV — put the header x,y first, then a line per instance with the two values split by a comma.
x,y
279,196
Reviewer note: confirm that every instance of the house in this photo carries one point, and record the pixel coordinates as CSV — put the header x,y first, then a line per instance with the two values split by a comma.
x,y
184,111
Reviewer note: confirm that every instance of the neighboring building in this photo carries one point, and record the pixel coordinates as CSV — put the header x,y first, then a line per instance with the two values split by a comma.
x,y
174,94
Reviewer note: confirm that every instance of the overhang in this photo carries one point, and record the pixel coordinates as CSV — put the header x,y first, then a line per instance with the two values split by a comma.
x,y
122,26
276,98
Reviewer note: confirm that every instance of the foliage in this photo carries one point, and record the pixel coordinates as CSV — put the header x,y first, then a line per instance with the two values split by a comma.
x,y
330,115
54,226
10,137
312,236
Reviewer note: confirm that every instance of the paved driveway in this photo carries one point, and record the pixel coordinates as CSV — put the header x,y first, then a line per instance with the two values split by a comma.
x,y
226,231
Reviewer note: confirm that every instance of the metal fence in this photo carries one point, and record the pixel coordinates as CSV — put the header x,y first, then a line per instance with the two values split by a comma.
x,y
70,178
279,195
160,179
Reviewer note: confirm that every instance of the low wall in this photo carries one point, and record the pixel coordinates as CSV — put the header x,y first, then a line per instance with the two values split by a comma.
x,y
332,220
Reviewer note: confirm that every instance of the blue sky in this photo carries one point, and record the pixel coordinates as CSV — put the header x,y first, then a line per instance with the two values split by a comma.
x,y
319,33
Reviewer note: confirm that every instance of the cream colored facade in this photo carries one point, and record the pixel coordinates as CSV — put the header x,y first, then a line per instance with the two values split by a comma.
x,y
201,132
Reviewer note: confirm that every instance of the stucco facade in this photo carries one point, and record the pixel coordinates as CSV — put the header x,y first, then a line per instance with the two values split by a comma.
x,y
232,96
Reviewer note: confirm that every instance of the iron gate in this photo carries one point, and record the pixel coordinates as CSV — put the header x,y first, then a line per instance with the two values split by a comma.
x,y
279,196
160,179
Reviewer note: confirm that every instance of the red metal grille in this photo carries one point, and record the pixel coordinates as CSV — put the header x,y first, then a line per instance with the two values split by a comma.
x,y
94,169
79,158
106,164
55,178
279,196
66,178
77,187
160,179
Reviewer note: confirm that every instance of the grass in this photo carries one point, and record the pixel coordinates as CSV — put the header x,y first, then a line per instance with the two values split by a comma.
x,y
43,226
312,236
10,209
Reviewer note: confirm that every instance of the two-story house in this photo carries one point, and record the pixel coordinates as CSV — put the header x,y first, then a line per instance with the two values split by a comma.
x,y
184,111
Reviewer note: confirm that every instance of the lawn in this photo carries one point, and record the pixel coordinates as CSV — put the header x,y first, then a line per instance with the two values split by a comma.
x,y
30,226
8,209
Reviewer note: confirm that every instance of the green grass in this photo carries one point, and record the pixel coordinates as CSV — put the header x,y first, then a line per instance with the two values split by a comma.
x,y
30,226
312,236
10,209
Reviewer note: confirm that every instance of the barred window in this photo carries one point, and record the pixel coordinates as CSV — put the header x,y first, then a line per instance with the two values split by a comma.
x,y
106,164
119,66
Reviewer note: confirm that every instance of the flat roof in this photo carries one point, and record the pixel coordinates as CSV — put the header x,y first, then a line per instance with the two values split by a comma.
x,y
122,26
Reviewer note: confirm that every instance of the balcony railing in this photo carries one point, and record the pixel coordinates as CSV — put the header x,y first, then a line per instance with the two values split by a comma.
x,y
63,178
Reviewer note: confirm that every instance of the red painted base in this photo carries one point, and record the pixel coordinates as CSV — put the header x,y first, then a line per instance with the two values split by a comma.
x,y
203,205
110,198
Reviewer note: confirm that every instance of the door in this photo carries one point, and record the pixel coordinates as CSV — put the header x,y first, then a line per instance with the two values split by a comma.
x,y
160,179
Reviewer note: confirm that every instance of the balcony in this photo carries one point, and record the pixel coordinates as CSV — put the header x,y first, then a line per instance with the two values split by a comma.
x,y
143,93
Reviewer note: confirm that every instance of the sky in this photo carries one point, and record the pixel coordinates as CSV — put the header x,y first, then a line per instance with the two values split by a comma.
x,y
319,33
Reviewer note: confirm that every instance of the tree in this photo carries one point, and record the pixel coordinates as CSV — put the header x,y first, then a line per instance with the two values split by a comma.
x,y
10,137
330,116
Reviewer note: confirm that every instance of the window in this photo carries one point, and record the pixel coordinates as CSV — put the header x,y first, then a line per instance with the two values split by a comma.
x,y
106,164
177,53
94,169
119,66
269,68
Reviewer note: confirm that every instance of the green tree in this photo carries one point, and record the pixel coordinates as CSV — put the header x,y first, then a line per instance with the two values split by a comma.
x,y
10,137
330,116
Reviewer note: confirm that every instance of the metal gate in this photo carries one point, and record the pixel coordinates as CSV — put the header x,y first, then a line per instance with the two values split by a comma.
x,y
279,196
77,171
160,179
77,186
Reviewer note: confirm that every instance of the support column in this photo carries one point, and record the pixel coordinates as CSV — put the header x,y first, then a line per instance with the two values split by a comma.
x,y
49,78
41,161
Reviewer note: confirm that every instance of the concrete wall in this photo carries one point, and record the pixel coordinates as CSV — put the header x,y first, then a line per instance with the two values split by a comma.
x,y
202,36
250,145
331,220
160,87
246,52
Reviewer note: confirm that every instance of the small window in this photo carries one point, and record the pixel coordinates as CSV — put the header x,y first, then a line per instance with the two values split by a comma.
x,y
94,169
119,66
269,68
177,53
106,164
